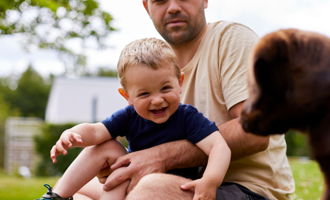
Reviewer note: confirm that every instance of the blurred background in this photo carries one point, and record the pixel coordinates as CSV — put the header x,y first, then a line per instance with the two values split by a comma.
x,y
58,68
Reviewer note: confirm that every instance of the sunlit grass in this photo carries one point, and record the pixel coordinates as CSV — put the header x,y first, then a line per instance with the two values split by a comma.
x,y
308,178
17,188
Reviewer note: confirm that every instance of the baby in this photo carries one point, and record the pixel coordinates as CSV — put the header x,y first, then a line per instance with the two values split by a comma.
x,y
151,83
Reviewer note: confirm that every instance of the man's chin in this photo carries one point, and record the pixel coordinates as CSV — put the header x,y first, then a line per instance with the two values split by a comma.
x,y
176,38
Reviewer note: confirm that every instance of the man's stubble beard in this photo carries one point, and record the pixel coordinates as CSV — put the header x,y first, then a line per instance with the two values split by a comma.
x,y
183,35
180,36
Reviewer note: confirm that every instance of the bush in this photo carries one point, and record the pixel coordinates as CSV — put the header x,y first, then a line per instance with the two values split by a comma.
x,y
297,144
44,142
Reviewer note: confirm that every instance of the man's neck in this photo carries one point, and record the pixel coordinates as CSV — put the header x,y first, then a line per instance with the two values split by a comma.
x,y
185,52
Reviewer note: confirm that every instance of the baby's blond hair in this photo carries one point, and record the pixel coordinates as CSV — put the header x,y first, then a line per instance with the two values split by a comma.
x,y
150,52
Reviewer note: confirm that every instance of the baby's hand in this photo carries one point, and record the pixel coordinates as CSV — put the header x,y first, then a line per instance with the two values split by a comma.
x,y
67,140
202,190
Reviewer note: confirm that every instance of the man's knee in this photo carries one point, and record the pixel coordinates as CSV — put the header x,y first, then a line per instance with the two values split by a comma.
x,y
146,186
159,186
150,179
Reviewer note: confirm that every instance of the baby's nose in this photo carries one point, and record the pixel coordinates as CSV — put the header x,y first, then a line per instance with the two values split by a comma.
x,y
157,100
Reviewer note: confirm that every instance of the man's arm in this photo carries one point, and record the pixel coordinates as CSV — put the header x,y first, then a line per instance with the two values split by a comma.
x,y
161,158
241,143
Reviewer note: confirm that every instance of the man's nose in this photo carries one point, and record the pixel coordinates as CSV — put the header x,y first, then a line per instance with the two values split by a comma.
x,y
174,6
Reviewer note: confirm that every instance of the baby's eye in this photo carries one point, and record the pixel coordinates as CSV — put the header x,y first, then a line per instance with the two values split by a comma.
x,y
158,1
166,88
143,94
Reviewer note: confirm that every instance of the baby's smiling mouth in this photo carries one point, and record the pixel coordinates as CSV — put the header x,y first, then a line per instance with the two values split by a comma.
x,y
158,111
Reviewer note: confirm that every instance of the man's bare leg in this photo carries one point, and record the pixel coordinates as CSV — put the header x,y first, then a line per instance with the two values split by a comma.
x,y
91,191
160,187
117,193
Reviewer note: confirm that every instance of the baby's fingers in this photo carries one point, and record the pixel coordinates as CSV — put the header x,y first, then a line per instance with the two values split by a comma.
x,y
76,138
54,153
190,186
65,142
59,148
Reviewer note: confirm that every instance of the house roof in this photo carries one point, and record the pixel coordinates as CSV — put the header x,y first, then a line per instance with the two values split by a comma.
x,y
87,99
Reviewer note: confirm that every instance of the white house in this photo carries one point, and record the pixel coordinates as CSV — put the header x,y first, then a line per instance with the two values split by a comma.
x,y
86,99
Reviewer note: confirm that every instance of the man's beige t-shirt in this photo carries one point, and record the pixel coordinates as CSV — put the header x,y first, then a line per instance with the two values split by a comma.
x,y
215,80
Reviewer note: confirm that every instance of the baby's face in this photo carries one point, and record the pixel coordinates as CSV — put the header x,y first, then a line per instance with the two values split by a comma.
x,y
154,93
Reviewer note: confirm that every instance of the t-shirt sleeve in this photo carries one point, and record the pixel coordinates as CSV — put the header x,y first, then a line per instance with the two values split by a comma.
x,y
239,41
197,126
118,122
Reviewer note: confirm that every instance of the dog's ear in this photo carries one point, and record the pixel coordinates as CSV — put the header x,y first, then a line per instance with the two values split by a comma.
x,y
270,63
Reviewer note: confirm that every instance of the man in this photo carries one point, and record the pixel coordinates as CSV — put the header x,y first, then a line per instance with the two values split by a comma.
x,y
214,59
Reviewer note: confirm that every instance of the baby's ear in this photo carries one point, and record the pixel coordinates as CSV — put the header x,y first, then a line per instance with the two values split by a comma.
x,y
123,93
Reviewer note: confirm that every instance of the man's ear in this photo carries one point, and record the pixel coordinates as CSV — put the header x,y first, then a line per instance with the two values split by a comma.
x,y
123,93
206,3
181,79
145,5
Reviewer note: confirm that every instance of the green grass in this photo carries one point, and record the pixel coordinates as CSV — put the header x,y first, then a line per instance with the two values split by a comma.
x,y
16,188
309,183
308,178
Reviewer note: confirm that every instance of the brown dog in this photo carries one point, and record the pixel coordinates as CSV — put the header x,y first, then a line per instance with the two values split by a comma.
x,y
289,86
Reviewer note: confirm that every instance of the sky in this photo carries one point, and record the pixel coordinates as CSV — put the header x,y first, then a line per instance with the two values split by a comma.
x,y
132,22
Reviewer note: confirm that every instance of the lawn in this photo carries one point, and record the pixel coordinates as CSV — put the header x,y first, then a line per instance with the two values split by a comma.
x,y
309,183
16,188
308,178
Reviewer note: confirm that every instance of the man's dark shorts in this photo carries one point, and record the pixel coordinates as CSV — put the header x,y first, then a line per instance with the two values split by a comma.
x,y
233,191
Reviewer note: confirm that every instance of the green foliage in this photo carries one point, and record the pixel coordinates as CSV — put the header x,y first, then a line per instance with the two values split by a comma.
x,y
43,144
31,95
106,72
4,107
4,112
25,97
297,144
56,25
101,72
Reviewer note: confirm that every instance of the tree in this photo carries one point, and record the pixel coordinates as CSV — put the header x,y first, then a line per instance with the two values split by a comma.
x,y
31,95
5,92
27,98
56,25
3,116
106,72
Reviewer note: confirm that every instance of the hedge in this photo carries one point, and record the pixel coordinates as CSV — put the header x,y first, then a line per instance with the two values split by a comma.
x,y
297,144
44,142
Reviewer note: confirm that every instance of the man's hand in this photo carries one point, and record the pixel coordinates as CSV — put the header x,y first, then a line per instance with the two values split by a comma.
x,y
202,189
158,159
133,167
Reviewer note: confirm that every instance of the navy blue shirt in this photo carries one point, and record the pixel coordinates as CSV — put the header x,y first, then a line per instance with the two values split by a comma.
x,y
185,123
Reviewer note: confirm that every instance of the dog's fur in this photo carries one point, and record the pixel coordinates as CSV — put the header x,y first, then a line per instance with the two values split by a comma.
x,y
289,86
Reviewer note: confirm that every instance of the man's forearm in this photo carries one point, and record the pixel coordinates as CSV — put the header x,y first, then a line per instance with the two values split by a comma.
x,y
181,154
241,143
